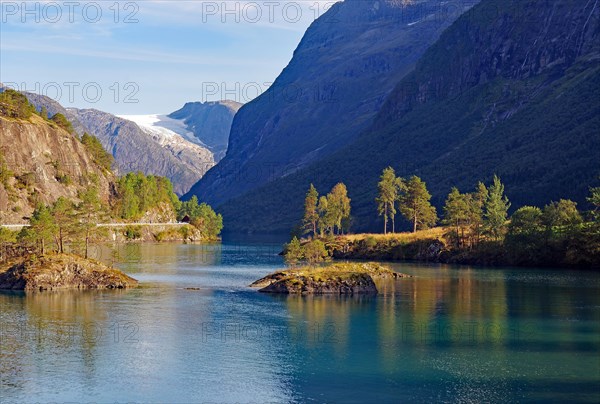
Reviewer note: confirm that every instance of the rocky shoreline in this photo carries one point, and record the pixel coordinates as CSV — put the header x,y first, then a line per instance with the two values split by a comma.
x,y
338,278
61,271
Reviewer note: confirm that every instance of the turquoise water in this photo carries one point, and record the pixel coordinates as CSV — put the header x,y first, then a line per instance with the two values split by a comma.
x,y
194,332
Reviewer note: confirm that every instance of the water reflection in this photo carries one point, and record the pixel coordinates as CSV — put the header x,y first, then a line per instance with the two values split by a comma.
x,y
63,324
194,332
480,333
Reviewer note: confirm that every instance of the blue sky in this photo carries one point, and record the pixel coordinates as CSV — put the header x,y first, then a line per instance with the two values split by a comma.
x,y
146,57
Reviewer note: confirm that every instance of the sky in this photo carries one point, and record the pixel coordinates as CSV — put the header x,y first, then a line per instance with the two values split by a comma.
x,y
149,57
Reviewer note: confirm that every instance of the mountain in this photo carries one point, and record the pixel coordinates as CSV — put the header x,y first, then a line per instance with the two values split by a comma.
x,y
510,88
150,150
53,107
181,149
341,72
41,162
209,122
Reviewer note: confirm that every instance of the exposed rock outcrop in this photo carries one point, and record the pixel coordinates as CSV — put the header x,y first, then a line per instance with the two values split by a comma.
x,y
61,271
340,278
370,248
156,149
43,162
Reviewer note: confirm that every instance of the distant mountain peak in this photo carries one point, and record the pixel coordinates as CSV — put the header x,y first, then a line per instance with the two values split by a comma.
x,y
209,122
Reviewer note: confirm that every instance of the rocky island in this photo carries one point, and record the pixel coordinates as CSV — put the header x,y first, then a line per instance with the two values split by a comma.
x,y
338,278
61,271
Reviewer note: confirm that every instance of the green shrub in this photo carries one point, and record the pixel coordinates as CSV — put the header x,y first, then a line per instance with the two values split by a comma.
x,y
99,154
133,232
25,180
5,173
185,232
315,252
63,179
62,121
371,242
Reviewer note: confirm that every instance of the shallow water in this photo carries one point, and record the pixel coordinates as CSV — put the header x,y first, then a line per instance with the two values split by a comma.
x,y
194,332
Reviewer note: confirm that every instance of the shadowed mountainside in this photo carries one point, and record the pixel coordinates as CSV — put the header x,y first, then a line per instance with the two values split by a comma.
x,y
346,64
511,88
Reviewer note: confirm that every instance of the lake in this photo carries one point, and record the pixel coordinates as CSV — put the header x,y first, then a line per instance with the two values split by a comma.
x,y
194,332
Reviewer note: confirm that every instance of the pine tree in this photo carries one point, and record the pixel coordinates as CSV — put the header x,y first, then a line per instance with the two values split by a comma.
x,y
41,228
415,204
63,212
90,212
496,209
311,214
294,252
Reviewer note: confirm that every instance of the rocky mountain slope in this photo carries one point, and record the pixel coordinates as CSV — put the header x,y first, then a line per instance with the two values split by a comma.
x,y
512,92
181,148
209,122
42,162
53,107
137,148
346,64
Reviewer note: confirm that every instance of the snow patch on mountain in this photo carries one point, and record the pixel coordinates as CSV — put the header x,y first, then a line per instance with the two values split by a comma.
x,y
164,129
172,135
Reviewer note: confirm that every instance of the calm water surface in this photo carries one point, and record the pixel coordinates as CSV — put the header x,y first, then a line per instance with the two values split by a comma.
x,y
194,332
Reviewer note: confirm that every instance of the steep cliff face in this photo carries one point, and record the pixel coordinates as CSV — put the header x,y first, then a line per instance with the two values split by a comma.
x,y
210,122
41,162
511,88
509,41
346,64
151,152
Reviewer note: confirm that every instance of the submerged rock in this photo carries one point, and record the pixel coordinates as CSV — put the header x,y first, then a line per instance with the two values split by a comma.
x,y
340,278
61,271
